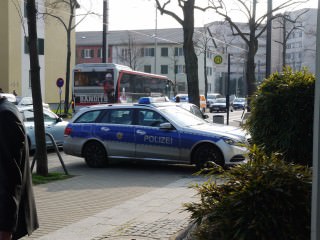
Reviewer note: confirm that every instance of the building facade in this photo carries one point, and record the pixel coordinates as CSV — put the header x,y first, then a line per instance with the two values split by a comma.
x,y
300,46
15,67
161,51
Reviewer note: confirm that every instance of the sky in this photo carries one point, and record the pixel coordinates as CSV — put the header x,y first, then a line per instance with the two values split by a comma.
x,y
141,14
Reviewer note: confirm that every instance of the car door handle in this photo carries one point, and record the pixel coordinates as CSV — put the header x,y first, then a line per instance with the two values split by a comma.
x,y
105,129
141,132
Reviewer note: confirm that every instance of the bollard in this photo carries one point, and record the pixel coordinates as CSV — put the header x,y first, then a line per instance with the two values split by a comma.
x,y
218,119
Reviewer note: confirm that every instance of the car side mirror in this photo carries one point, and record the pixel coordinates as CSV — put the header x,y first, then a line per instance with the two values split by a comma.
x,y
166,126
59,119
205,116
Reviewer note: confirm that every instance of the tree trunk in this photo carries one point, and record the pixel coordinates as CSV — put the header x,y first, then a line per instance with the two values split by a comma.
x,y
67,92
253,47
284,44
41,150
250,74
190,56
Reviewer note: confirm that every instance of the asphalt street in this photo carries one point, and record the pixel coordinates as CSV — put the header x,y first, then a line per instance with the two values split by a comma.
x,y
123,201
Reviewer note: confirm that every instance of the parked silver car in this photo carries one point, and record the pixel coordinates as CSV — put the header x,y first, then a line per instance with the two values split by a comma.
x,y
52,123
27,101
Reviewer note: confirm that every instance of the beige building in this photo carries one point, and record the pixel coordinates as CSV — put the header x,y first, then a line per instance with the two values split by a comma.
x,y
14,70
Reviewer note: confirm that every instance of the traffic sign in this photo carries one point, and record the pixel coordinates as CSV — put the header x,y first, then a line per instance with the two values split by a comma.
x,y
217,59
60,82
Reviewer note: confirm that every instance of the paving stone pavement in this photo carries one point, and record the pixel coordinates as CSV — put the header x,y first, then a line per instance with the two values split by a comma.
x,y
85,207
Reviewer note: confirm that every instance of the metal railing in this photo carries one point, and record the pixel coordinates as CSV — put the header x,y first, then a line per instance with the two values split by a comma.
x,y
56,150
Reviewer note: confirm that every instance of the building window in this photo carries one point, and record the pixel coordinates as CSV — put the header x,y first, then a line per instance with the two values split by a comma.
x,y
40,45
164,52
147,52
87,53
179,69
164,69
125,53
209,54
100,53
178,51
147,68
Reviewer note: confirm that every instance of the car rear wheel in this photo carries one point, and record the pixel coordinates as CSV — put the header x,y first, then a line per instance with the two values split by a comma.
x,y
95,155
207,153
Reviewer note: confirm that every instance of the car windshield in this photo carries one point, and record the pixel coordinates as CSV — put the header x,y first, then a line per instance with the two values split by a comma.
x,y
239,100
221,100
210,97
181,117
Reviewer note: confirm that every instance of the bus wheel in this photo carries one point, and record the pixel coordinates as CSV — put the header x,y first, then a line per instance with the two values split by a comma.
x,y
207,153
95,155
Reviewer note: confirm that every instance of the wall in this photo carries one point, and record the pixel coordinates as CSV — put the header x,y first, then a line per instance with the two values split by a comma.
x,y
4,43
56,57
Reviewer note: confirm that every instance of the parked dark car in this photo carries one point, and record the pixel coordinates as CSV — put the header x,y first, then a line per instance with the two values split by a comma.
x,y
220,105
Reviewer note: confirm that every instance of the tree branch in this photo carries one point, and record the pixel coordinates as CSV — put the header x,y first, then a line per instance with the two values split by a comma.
x,y
164,11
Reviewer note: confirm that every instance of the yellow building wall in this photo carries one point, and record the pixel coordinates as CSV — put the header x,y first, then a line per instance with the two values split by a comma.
x,y
11,51
56,57
15,48
4,43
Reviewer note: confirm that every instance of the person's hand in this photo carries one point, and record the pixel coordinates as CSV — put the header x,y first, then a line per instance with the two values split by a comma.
x,y
5,235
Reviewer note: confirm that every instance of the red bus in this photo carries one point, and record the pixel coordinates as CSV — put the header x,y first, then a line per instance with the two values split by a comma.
x,y
98,83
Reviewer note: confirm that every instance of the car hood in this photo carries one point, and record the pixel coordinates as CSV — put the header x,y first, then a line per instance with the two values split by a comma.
x,y
31,124
219,104
220,130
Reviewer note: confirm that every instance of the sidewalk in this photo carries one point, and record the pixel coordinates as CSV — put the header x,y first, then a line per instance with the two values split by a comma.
x,y
156,214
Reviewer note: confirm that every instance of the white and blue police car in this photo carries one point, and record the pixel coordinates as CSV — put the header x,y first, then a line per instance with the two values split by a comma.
x,y
152,131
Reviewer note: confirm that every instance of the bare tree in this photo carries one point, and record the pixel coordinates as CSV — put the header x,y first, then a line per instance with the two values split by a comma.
x,y
255,28
203,46
191,60
32,40
130,53
64,11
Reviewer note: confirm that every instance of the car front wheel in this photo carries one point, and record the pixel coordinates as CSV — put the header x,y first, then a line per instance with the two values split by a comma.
x,y
207,153
95,155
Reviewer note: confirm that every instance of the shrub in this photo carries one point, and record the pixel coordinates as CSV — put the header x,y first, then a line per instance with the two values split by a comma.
x,y
281,117
267,198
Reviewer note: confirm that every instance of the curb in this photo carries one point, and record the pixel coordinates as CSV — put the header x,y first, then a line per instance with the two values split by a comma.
x,y
185,234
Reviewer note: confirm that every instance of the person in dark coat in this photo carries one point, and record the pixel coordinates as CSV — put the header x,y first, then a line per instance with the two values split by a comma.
x,y
18,215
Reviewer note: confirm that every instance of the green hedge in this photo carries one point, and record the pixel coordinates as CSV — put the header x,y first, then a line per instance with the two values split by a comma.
x,y
264,199
281,117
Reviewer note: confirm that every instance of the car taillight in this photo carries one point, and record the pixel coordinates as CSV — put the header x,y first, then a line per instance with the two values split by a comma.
x,y
67,131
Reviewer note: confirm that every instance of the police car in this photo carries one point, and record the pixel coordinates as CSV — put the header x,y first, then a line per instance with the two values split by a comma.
x,y
152,131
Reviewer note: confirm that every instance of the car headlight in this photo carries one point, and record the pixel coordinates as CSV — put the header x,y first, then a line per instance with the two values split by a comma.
x,y
231,141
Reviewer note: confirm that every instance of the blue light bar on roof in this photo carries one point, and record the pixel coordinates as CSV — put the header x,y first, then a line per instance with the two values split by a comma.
x,y
149,100
145,100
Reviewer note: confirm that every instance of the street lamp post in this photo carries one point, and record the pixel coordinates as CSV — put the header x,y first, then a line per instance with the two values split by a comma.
x,y
228,89
155,42
104,32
